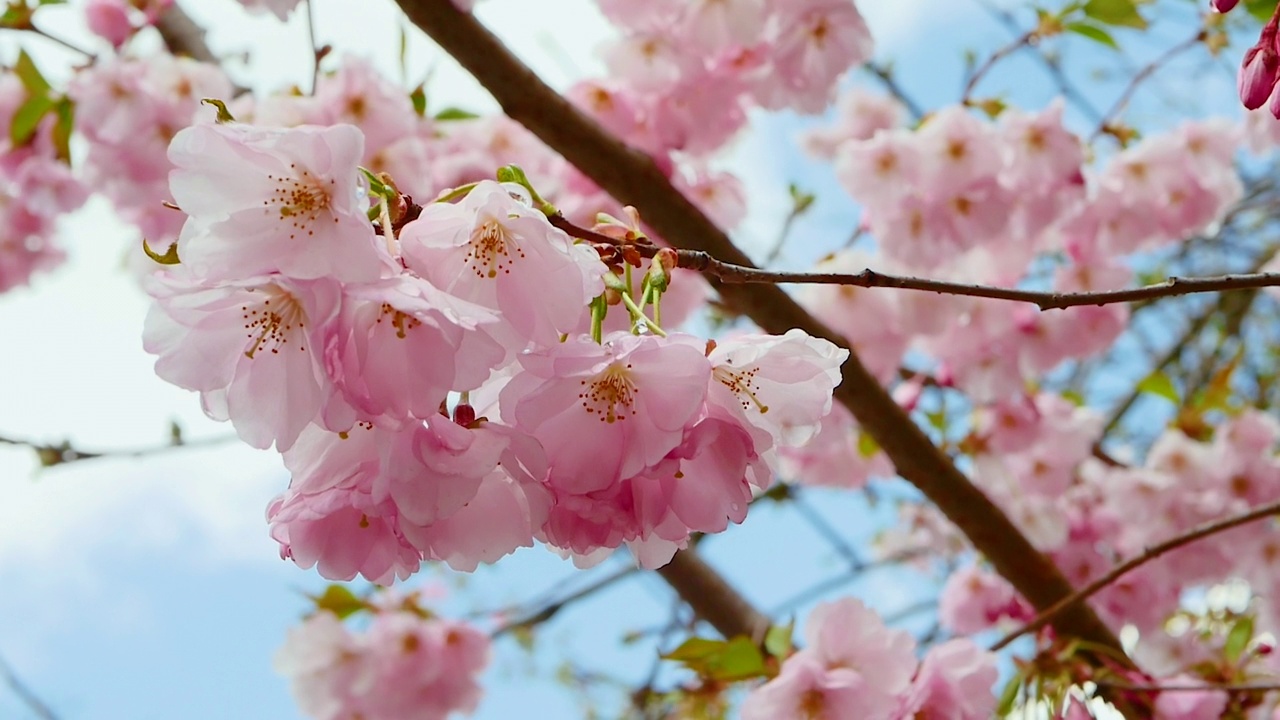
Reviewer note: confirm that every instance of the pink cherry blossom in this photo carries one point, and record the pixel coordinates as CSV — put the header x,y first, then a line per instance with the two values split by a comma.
x,y
109,20
342,532
402,346
495,251
606,412
357,94
816,41
263,200
779,384
852,666
955,680
973,600
404,665
321,658
251,349
1189,705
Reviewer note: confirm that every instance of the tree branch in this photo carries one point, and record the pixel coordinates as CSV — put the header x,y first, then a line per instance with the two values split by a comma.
x,y
182,36
1046,616
712,597
633,179
64,452
24,693
738,274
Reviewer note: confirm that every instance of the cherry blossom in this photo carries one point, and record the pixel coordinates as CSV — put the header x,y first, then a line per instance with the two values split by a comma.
x,y
403,665
262,200
497,252
251,349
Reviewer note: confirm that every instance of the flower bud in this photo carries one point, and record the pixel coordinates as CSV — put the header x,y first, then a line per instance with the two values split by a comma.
x,y
1223,6
1259,72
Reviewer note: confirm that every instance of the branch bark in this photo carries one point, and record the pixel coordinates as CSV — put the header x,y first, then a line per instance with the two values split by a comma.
x,y
712,597
1047,615
729,273
183,36
632,178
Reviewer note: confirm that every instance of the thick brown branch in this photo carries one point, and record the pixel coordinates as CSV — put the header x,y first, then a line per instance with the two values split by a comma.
x,y
712,597
1047,616
182,36
633,179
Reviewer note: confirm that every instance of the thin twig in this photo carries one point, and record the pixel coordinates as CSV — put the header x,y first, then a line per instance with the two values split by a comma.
x,y
1054,68
1023,40
1045,300
317,53
1184,687
548,611
885,76
24,693
64,43
64,452
1141,76
1046,616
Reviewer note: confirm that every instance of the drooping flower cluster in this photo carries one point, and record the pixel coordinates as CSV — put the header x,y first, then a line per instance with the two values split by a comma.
x,y
128,111
684,74
853,666
402,666
341,346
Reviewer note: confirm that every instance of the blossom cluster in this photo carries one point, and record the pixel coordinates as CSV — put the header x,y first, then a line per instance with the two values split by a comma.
x,y
853,666
683,74
343,347
36,186
405,665
1036,459
128,111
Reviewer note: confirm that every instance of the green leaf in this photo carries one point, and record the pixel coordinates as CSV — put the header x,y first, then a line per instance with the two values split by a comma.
x,y
419,99
30,75
1238,638
1075,397
800,200
16,16
66,110
695,648
1122,13
170,256
224,115
1260,9
741,660
736,659
340,601
1094,33
1158,383
453,113
27,119
777,641
1009,696
867,445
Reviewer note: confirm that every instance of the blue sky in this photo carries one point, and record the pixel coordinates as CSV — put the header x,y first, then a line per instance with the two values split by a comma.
x,y
140,589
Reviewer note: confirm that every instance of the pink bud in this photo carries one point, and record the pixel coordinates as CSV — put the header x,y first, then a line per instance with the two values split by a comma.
x,y
464,414
109,19
1223,5
1259,72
